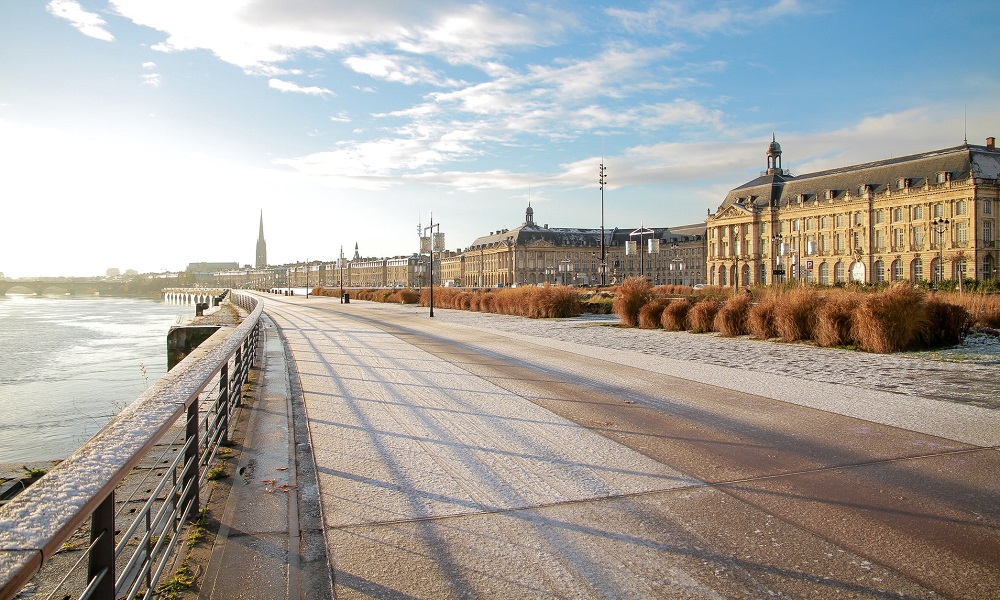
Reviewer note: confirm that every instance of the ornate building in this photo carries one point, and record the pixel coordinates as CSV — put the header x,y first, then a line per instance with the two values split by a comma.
x,y
532,254
928,216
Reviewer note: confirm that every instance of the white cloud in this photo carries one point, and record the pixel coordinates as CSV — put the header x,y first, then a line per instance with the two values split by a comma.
x,y
397,69
690,16
88,23
255,33
288,86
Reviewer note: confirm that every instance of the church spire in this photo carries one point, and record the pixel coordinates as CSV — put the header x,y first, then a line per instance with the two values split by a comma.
x,y
261,245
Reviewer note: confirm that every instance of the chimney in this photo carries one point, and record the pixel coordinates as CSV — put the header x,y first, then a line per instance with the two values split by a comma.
x,y
991,143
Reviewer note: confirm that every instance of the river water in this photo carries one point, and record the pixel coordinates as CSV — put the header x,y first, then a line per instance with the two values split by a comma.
x,y
70,363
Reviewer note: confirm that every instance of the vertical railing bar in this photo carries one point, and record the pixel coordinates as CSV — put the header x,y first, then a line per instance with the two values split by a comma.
x,y
101,557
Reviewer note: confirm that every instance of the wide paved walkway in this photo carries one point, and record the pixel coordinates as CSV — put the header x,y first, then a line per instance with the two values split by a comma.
x,y
470,456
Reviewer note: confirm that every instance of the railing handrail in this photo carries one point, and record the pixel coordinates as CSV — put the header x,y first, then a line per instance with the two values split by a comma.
x,y
35,524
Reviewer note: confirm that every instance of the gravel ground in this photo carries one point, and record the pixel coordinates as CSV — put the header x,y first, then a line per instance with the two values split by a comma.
x,y
965,374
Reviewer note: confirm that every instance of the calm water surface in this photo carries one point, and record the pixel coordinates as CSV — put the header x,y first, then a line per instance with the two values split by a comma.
x,y
70,363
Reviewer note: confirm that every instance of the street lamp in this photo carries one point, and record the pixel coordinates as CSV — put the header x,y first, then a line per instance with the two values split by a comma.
x,y
940,225
639,249
602,180
779,270
435,242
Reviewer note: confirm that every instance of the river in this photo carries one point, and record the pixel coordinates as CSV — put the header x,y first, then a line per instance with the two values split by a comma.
x,y
68,364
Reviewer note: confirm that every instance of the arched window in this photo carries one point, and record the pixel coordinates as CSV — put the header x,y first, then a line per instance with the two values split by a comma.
x,y
988,268
838,272
722,275
936,274
897,270
763,273
824,274
918,269
879,271
746,275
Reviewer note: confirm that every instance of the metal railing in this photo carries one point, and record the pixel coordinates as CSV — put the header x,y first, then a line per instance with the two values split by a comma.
x,y
189,413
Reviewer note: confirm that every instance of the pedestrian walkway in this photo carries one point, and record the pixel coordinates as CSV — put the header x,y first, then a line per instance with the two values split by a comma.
x,y
270,543
457,460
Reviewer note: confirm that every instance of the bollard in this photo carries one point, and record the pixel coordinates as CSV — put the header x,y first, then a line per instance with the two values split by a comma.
x,y
347,298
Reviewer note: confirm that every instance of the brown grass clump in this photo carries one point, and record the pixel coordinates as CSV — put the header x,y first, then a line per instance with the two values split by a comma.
x,y
650,314
701,317
760,319
632,294
892,320
946,323
404,297
835,320
795,314
732,318
558,302
674,315
984,309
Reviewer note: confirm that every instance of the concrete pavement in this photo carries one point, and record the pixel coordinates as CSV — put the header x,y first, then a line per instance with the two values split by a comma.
x,y
455,462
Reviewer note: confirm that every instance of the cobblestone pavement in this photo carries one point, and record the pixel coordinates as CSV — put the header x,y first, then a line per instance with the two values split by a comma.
x,y
966,375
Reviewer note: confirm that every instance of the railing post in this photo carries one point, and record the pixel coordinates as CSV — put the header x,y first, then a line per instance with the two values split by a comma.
x,y
101,562
191,458
224,397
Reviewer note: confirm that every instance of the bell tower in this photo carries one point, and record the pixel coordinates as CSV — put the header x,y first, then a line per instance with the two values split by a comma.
x,y
773,157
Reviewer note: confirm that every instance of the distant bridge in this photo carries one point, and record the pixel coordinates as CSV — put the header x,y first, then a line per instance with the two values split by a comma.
x,y
60,286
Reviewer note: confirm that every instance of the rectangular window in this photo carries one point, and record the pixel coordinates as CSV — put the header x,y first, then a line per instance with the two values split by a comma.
x,y
918,236
918,212
859,219
987,231
840,243
880,240
939,210
987,207
839,220
962,232
824,243
897,215
898,238
960,207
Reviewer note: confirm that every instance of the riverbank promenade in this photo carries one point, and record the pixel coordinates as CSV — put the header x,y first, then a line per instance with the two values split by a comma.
x,y
393,455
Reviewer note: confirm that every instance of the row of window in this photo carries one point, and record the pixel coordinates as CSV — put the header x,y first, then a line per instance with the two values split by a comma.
x,y
895,272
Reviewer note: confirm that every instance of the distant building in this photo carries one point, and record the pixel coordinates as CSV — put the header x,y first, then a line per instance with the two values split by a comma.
x,y
113,272
261,245
204,272
928,216
532,254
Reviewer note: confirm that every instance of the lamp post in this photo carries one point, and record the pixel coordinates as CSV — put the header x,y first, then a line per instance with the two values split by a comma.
x,y
940,225
602,180
436,241
639,249
341,273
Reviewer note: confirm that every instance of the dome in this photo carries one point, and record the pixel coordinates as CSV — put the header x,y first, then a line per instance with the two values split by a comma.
x,y
774,147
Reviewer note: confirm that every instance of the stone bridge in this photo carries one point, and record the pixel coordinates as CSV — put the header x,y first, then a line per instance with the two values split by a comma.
x,y
59,285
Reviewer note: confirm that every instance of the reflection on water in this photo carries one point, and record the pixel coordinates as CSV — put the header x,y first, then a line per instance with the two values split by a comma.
x,y
69,363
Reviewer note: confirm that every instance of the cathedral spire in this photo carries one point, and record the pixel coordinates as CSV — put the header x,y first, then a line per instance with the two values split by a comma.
x,y
261,245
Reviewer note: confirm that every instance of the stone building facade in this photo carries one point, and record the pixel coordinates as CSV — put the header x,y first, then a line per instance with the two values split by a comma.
x,y
533,254
928,216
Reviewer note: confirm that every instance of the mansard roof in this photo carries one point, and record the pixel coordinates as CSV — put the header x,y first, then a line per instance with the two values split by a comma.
x,y
781,189
530,234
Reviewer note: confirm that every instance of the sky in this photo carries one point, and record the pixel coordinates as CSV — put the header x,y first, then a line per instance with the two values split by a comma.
x,y
148,134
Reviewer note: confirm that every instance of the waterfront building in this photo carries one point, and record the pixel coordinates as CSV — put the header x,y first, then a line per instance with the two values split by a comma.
x,y
261,262
533,254
927,216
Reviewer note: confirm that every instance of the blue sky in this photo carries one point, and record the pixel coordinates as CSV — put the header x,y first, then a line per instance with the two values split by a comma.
x,y
147,134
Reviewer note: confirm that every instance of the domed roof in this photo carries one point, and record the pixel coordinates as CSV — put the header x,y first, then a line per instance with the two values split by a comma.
x,y
774,147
